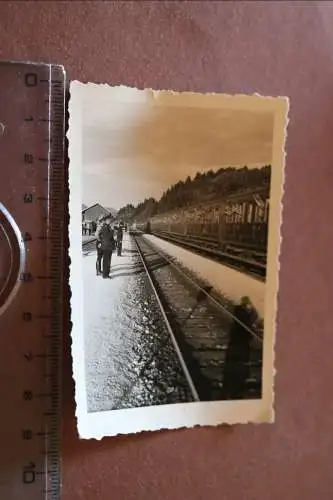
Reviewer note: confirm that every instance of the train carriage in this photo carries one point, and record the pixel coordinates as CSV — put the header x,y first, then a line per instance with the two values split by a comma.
x,y
246,220
237,223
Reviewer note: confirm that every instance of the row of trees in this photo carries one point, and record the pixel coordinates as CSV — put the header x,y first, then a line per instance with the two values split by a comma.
x,y
205,186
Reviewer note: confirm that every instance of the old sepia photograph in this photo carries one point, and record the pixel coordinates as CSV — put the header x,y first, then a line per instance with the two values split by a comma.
x,y
175,213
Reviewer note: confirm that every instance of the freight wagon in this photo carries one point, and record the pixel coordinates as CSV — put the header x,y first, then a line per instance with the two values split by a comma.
x,y
236,224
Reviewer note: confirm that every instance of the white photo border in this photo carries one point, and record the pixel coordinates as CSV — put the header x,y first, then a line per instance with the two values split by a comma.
x,y
182,415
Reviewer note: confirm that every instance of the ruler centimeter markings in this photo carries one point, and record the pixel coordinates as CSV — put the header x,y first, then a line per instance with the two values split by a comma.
x,y
32,113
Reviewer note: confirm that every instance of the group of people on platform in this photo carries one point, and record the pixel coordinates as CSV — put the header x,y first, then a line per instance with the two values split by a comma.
x,y
108,239
89,228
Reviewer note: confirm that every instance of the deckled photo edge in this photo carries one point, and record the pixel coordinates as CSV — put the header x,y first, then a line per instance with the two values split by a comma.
x,y
74,136
241,101
182,415
281,120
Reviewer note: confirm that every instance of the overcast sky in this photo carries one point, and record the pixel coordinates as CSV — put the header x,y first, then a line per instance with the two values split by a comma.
x,y
135,146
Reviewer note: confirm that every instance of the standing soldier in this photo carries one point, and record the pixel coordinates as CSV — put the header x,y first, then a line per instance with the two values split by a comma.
x,y
119,240
107,246
99,246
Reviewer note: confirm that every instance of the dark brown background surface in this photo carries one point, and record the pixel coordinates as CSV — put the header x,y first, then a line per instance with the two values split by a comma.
x,y
282,48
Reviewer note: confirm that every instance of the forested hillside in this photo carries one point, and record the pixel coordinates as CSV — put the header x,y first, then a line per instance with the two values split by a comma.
x,y
205,186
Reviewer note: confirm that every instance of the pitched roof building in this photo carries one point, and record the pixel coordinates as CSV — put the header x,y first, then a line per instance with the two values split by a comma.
x,y
94,212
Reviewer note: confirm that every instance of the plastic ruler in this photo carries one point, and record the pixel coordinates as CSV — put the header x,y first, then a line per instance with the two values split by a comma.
x,y
32,212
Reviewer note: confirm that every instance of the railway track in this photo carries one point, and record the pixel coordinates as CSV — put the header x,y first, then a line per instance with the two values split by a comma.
x,y
199,327
187,375
238,259
89,245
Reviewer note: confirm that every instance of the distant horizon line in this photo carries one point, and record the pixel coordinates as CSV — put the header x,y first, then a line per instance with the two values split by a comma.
x,y
258,165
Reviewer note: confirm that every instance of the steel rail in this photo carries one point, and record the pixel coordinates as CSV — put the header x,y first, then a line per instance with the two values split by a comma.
x,y
188,377
224,257
200,288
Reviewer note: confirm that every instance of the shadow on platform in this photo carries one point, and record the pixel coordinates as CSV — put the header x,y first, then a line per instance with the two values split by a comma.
x,y
126,267
129,250
126,273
